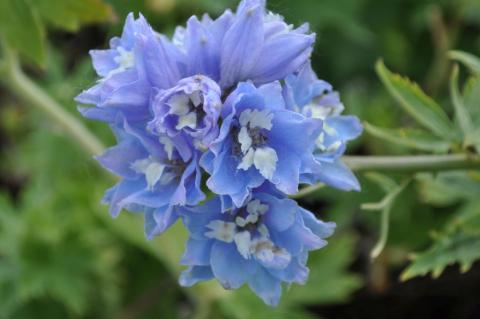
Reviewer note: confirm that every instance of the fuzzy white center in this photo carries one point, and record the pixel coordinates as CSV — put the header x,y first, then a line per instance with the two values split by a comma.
x,y
264,158
181,105
220,230
125,60
152,170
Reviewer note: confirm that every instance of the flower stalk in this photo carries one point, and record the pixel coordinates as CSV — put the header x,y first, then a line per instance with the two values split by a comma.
x,y
25,89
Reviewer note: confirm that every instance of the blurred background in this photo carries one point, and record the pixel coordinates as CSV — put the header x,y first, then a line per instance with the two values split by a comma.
x,y
61,255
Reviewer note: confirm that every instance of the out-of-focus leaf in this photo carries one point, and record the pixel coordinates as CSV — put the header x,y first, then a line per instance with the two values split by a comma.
x,y
329,279
447,188
461,113
471,100
414,101
22,29
469,60
412,138
71,14
449,249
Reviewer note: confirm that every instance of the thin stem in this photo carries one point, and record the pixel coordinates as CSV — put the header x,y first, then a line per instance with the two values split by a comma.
x,y
27,90
417,163
405,164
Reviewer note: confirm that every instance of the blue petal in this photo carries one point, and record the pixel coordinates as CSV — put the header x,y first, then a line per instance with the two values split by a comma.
x,y
319,228
226,179
241,46
160,59
119,159
337,175
197,252
229,267
202,49
158,220
266,287
282,55
120,192
195,274
103,61
272,94
295,272
197,218
347,127
281,212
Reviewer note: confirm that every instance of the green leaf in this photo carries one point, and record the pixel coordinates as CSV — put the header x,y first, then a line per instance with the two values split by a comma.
x,y
461,112
471,98
447,188
414,101
459,248
469,60
412,138
71,14
22,29
329,280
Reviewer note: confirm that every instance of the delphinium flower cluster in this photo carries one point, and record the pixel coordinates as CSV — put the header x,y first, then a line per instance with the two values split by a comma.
x,y
230,110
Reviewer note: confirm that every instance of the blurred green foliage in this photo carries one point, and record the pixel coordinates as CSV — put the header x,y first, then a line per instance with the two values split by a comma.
x,y
61,256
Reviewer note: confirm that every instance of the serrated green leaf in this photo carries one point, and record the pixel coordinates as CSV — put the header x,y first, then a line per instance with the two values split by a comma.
x,y
448,250
469,60
22,29
412,138
447,188
415,102
71,14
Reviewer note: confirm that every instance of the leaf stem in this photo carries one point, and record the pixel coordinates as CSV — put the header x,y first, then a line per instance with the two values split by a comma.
x,y
25,89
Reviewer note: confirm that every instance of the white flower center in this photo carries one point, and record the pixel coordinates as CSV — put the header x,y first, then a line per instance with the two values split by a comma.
x,y
252,142
152,170
186,107
124,59
251,237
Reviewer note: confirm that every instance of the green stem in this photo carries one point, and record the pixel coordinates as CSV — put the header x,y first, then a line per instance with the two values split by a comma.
x,y
27,90
417,163
403,164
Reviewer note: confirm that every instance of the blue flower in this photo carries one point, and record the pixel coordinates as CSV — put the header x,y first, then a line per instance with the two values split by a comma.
x,y
262,244
315,98
248,45
192,107
135,64
233,102
154,177
253,145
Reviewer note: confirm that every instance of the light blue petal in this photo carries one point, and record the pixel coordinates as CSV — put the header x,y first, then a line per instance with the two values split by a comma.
x,y
196,218
348,127
294,273
281,213
282,55
337,175
202,49
318,227
159,220
229,267
266,287
195,274
119,159
242,46
197,252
